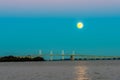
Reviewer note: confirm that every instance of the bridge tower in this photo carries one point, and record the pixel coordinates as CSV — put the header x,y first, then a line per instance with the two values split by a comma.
x,y
63,55
51,55
40,53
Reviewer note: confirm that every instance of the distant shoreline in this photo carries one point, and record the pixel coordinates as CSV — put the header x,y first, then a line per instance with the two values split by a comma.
x,y
38,58
20,59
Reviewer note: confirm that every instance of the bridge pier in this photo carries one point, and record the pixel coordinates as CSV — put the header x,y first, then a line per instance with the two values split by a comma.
x,y
72,57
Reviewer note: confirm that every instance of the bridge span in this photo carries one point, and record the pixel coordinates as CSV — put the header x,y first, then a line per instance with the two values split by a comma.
x,y
71,56
76,56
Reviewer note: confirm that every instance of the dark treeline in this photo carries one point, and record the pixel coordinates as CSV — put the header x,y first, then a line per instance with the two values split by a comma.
x,y
19,59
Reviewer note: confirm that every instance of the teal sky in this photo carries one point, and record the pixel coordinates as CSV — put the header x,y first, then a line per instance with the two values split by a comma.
x,y
27,26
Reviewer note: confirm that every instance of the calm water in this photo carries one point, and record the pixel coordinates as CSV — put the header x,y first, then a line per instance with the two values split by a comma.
x,y
61,70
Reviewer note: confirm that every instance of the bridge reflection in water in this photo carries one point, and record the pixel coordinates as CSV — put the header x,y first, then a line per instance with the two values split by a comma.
x,y
81,73
75,56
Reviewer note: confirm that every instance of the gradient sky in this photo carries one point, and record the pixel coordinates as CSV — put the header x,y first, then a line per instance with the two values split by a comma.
x,y
27,26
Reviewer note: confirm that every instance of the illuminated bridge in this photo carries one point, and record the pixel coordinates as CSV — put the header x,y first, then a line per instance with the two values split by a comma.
x,y
75,56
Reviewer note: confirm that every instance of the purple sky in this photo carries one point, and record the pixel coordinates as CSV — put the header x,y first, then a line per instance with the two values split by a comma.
x,y
59,7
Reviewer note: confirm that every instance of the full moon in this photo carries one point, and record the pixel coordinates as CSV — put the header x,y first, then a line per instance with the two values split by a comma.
x,y
80,25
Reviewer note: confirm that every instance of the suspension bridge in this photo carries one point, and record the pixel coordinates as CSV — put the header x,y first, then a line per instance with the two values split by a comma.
x,y
74,56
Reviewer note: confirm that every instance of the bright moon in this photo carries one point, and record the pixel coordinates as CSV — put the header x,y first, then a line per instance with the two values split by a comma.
x,y
80,25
